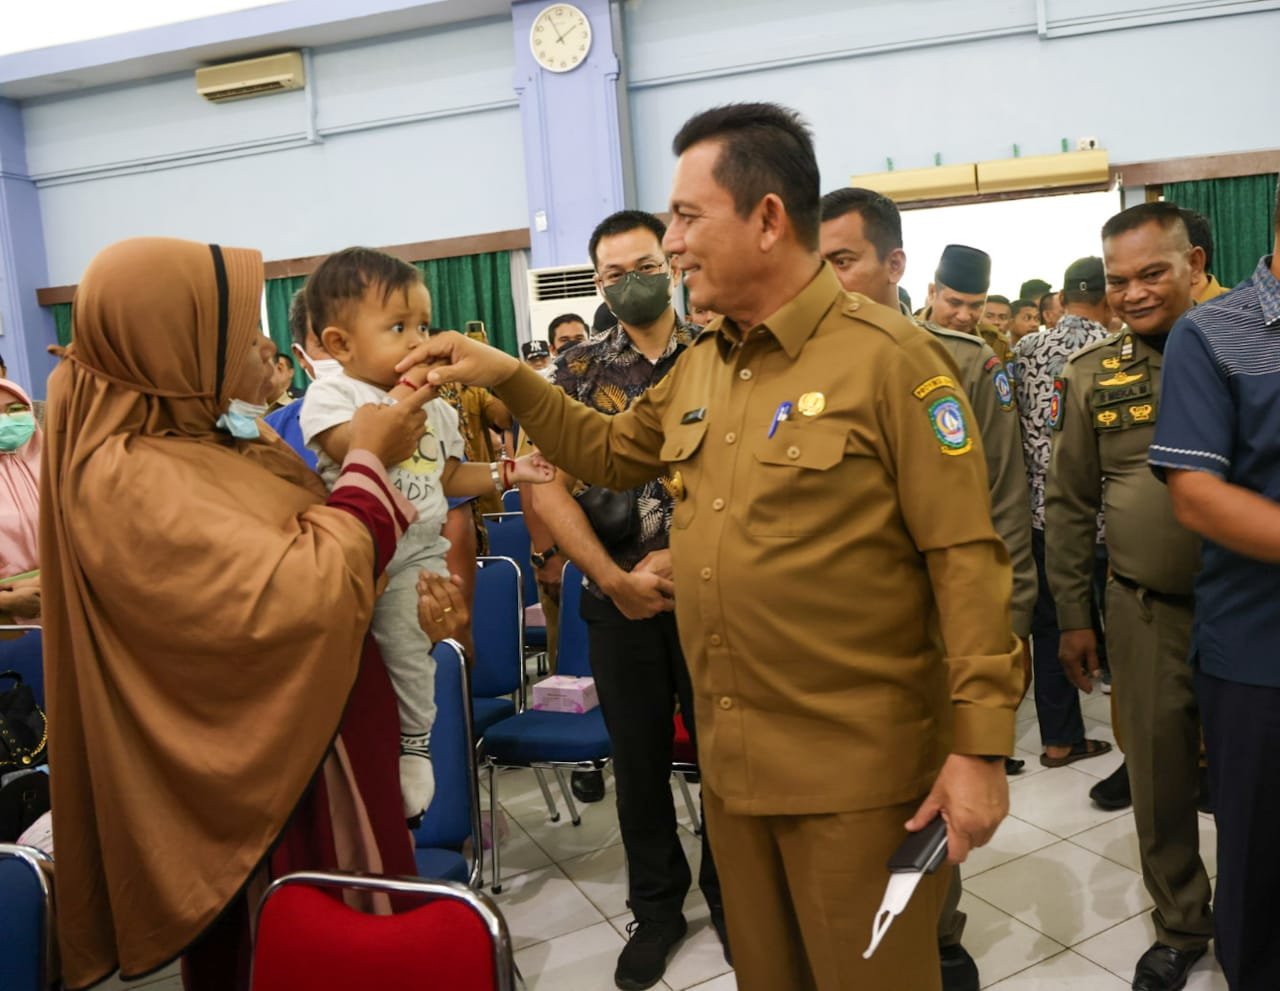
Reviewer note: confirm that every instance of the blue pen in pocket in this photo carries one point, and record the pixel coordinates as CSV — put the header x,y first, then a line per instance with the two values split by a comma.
x,y
783,412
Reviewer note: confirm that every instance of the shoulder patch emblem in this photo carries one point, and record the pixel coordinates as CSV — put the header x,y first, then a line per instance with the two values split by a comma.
x,y
1056,402
933,385
1111,363
1121,378
1142,413
949,426
1107,419
1004,391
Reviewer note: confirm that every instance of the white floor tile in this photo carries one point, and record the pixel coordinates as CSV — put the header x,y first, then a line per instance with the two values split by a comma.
x,y
1057,801
1118,840
168,979
1118,950
542,905
1000,944
578,961
1065,972
1063,891
725,983
1096,706
1013,839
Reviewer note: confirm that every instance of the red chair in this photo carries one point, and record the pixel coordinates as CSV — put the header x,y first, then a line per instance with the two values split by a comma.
x,y
308,937
684,765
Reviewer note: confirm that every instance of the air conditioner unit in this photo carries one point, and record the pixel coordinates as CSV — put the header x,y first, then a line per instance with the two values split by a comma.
x,y
564,289
251,77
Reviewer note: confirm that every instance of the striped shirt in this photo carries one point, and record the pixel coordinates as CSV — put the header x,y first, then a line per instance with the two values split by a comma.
x,y
1220,413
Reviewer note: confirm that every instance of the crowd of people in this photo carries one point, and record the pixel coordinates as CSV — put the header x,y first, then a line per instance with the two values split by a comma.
x,y
840,539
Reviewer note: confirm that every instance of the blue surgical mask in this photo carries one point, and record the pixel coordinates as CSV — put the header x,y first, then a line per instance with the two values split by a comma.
x,y
241,419
16,429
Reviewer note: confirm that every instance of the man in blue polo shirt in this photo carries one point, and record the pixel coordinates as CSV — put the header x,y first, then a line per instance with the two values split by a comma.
x,y
1217,443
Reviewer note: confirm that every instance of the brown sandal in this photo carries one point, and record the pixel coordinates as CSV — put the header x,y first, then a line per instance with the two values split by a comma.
x,y
1079,751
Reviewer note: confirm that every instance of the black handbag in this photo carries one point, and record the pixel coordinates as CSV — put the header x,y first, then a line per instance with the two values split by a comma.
x,y
23,731
614,516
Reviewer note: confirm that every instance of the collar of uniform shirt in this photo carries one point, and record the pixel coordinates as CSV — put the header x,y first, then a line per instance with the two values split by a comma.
x,y
794,322
1268,292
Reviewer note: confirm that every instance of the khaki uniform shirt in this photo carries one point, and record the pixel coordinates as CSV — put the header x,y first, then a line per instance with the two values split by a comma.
x,y
1212,290
1108,399
996,342
841,596
985,381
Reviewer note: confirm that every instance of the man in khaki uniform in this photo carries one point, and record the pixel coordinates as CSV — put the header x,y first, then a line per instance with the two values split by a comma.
x,y
861,237
841,595
1108,399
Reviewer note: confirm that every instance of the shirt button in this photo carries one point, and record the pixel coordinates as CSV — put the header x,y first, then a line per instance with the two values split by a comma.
x,y
726,702
706,574
715,640
744,374
793,452
717,504
730,437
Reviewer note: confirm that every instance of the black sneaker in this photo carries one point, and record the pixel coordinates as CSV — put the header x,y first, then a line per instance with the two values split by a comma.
x,y
959,972
1112,793
1013,766
722,930
587,786
643,960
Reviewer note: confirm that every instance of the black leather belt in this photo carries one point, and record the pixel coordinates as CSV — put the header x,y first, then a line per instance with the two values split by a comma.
x,y
1185,601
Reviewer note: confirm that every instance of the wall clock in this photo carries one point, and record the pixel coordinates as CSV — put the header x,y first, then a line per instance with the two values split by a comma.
x,y
560,37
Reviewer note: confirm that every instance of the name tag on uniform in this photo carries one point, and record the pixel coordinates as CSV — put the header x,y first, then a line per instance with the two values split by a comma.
x,y
695,415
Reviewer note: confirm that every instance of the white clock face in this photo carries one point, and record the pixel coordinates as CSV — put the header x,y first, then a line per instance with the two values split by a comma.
x,y
560,37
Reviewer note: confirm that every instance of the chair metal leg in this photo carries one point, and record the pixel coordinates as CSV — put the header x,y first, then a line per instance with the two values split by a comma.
x,y
495,836
567,792
549,798
688,804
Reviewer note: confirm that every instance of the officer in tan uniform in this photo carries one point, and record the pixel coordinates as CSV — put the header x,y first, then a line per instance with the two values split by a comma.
x,y
861,237
1107,402
842,597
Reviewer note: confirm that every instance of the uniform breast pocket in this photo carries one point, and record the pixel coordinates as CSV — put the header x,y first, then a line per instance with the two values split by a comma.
x,y
680,451
794,489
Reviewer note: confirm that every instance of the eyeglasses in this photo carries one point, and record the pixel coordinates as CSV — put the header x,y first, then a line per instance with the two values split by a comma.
x,y
613,277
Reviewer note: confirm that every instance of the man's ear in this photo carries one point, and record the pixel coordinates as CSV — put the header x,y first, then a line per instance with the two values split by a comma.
x,y
897,262
1196,260
929,294
337,342
773,220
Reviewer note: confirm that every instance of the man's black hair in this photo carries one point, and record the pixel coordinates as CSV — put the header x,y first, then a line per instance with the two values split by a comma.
x,y
1018,305
560,321
622,222
345,276
994,298
881,221
298,318
1045,300
285,356
1167,215
764,148
1201,233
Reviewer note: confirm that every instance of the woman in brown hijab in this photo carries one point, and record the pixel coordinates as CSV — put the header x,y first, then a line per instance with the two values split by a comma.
x,y
217,713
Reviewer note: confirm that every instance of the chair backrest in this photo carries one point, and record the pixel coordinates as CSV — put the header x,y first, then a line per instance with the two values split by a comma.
x,y
509,537
511,501
307,937
572,656
26,906
454,814
24,654
497,628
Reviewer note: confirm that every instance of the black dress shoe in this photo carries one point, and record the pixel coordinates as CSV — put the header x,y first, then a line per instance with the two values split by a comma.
x,y
1012,766
1162,968
959,972
1112,793
587,786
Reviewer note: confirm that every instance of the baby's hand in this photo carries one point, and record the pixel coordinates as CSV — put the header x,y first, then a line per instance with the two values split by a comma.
x,y
416,377
533,468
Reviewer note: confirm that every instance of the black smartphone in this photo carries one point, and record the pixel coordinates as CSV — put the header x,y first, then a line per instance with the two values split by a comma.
x,y
921,852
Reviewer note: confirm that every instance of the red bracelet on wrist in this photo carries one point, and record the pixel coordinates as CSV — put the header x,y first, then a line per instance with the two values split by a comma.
x,y
409,385
508,465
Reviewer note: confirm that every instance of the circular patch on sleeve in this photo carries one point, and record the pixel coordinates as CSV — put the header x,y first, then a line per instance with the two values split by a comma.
x,y
1004,391
949,426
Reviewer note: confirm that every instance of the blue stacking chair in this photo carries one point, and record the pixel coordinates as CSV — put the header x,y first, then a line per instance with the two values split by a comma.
x,y
26,919
557,740
509,537
24,654
453,817
511,501
497,678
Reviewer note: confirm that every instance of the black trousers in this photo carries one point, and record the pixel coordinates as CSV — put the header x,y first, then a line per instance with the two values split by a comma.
x,y
640,671
1242,737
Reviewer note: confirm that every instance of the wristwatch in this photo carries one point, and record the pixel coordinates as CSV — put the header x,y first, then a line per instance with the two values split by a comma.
x,y
540,559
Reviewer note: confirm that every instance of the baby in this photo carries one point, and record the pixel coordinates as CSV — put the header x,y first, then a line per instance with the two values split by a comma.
x,y
369,310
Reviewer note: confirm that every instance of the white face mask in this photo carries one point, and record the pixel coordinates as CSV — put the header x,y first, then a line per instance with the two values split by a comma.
x,y
317,368
241,419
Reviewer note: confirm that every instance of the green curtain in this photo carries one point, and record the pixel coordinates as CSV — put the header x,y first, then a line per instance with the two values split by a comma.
x,y
279,296
62,321
1242,214
473,287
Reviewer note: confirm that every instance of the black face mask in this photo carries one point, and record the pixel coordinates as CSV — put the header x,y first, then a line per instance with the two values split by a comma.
x,y
639,300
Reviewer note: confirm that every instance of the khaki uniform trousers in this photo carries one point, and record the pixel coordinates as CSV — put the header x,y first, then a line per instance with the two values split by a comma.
x,y
551,611
801,894
1148,641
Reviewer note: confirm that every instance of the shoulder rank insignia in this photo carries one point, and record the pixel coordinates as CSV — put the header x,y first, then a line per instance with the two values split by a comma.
x,y
1056,402
933,385
1126,347
949,426
1142,413
1107,419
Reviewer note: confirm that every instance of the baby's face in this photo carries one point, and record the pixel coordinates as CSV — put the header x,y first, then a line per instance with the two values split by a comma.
x,y
382,332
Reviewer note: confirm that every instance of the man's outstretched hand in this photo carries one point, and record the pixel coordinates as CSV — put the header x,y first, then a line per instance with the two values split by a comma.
x,y
454,357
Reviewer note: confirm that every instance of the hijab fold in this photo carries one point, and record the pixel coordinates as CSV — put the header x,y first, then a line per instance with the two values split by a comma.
x,y
19,495
204,611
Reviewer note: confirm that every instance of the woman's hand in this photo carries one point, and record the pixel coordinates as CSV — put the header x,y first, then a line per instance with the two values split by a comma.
x,y
21,598
442,611
391,433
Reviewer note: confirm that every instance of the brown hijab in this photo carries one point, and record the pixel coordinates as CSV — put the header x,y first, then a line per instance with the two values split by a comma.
x,y
204,612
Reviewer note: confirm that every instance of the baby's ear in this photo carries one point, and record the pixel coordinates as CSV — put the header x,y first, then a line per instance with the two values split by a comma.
x,y
337,342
